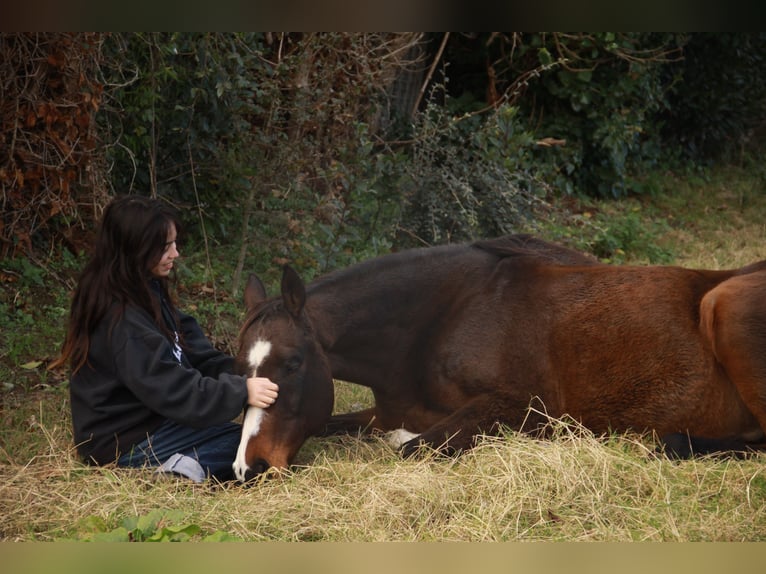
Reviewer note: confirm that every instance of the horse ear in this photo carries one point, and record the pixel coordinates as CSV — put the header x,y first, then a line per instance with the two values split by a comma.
x,y
293,291
255,292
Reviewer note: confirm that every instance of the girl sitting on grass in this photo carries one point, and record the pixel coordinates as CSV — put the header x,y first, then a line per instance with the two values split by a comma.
x,y
147,387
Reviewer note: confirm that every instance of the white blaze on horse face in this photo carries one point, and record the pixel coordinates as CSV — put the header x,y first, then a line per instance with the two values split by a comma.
x,y
254,415
258,353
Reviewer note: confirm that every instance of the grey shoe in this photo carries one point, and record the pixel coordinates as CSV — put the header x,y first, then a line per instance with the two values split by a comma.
x,y
183,465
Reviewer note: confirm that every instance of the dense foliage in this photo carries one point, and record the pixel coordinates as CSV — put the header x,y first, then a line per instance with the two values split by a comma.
x,y
321,149
716,105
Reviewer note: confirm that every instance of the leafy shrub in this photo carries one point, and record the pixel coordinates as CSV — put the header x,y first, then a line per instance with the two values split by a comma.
x,y
468,176
718,95
629,235
601,95
156,526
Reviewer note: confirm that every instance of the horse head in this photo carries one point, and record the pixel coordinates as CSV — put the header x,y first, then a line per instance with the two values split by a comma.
x,y
277,341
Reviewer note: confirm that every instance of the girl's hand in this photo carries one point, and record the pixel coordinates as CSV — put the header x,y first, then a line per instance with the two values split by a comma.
x,y
261,392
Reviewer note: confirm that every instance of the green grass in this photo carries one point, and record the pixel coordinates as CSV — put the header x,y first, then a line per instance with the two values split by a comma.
x,y
575,487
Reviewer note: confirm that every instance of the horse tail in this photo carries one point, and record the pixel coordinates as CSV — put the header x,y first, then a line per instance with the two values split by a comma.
x,y
682,446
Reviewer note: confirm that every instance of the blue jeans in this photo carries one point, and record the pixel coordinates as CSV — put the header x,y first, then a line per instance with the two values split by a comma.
x,y
215,448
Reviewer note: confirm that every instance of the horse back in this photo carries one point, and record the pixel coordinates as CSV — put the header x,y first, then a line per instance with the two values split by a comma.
x,y
523,245
616,347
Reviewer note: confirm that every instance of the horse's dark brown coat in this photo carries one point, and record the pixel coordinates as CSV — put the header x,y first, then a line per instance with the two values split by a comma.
x,y
455,340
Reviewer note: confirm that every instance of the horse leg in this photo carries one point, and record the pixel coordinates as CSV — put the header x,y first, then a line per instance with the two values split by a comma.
x,y
482,415
681,446
733,323
351,423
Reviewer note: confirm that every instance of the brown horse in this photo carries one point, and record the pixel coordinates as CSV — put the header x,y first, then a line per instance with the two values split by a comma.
x,y
457,340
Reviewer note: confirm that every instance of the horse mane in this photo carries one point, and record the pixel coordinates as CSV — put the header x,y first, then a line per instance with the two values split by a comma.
x,y
519,245
263,310
375,266
524,245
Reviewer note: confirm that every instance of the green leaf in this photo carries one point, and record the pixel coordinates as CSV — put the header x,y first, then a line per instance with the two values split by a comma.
x,y
31,365
221,536
148,523
174,533
130,523
544,56
119,534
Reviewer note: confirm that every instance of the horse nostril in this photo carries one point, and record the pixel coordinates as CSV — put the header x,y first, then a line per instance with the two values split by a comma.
x,y
259,466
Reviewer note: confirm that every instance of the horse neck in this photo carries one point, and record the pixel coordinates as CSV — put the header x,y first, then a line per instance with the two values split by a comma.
x,y
364,313
357,307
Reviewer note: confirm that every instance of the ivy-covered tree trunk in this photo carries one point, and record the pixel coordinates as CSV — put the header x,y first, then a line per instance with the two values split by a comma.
x,y
50,172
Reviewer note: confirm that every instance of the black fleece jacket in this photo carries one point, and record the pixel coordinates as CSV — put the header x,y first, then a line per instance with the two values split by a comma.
x,y
136,378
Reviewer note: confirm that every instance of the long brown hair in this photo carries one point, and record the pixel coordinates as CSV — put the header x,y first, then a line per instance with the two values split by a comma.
x,y
129,243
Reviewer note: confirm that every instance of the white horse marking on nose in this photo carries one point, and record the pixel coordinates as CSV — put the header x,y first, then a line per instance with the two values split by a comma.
x,y
250,428
254,415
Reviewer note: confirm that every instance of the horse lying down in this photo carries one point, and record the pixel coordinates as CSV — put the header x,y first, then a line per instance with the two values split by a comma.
x,y
456,341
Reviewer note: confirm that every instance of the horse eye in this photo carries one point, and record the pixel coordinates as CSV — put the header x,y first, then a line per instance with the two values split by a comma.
x,y
293,364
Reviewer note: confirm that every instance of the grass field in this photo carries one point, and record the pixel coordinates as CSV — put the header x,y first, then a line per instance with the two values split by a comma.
x,y
576,487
